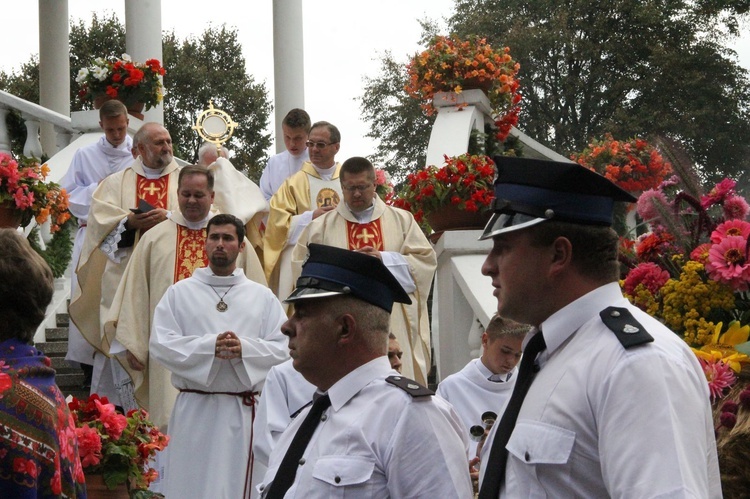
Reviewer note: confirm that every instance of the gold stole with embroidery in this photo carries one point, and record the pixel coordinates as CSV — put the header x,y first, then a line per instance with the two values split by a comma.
x,y
153,191
190,252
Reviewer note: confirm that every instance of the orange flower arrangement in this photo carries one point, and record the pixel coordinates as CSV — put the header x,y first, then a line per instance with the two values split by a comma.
x,y
634,165
23,184
451,64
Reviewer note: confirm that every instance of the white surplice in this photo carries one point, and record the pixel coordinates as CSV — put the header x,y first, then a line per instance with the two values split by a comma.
x,y
210,434
89,166
279,168
471,394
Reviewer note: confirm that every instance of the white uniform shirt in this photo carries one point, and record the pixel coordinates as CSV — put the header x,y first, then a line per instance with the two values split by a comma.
x,y
279,168
285,394
603,421
471,394
377,441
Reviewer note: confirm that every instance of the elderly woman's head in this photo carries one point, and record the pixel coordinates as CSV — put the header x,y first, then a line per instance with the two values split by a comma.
x,y
26,287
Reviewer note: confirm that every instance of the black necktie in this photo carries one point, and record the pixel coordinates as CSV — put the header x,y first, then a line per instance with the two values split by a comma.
x,y
288,468
495,474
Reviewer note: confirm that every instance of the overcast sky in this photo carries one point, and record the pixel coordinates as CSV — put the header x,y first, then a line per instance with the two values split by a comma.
x,y
342,41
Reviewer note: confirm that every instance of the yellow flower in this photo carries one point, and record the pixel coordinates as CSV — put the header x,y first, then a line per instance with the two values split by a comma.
x,y
722,345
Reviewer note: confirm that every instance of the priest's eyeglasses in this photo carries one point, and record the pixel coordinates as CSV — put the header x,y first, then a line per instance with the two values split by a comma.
x,y
356,188
319,145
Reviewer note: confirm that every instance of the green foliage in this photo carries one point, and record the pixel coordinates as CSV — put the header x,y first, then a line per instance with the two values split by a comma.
x,y
58,251
199,69
629,67
212,67
647,68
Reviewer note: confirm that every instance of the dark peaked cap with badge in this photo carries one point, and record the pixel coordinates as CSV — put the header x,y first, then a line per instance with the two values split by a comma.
x,y
531,191
330,271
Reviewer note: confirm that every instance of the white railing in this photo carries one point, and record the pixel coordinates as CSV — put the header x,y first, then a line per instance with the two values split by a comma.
x,y
33,115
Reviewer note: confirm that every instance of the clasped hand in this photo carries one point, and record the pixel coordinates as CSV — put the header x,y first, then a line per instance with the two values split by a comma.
x,y
228,346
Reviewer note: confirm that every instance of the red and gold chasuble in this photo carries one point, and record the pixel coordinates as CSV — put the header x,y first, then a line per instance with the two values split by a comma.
x,y
190,252
153,191
362,235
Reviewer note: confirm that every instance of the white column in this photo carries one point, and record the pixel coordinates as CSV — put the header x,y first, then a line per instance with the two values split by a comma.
x,y
54,65
289,62
143,39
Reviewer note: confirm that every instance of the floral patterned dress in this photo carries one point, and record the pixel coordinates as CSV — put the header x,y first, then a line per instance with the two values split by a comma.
x,y
38,446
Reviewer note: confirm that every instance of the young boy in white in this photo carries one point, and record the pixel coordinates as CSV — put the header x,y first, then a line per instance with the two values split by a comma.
x,y
486,383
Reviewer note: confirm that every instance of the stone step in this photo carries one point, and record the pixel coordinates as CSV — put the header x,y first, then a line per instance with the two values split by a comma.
x,y
57,334
63,320
71,381
53,348
62,366
68,377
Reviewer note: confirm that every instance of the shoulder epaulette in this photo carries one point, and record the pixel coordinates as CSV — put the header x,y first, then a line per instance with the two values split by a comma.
x,y
410,386
628,330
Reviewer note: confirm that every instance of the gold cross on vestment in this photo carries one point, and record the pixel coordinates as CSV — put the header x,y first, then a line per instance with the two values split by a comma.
x,y
152,189
194,246
365,236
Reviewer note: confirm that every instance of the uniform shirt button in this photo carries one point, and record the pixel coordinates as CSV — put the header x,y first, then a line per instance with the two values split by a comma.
x,y
262,487
301,461
527,456
323,417
337,479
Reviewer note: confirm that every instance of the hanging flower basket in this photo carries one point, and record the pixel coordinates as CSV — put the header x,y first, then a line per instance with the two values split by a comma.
x,y
10,217
454,196
450,217
97,489
137,85
27,194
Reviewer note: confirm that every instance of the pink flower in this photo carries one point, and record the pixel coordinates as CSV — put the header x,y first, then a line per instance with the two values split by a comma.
x,y
719,376
379,177
727,263
649,274
736,207
649,203
114,423
731,228
700,253
718,193
89,445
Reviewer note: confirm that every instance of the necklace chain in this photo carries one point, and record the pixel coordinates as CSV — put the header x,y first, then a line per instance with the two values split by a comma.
x,y
222,305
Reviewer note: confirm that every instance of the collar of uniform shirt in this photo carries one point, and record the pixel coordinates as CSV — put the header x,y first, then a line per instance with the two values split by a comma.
x,y
565,322
348,386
